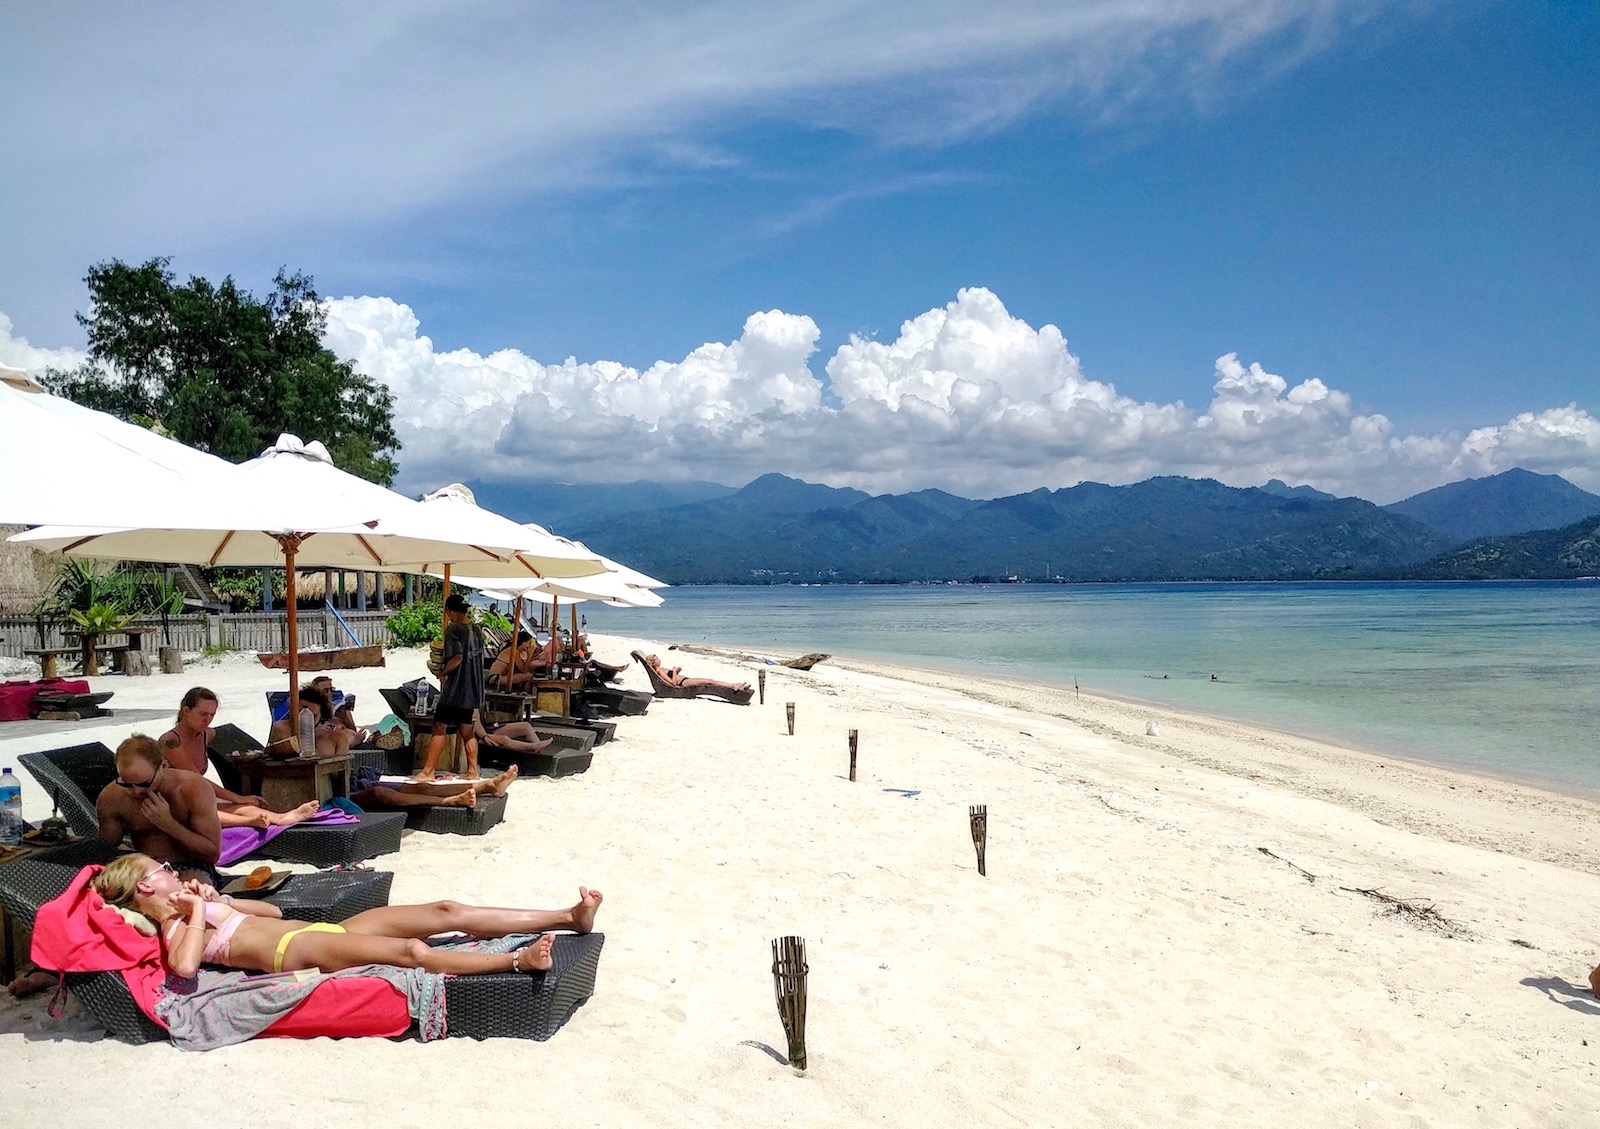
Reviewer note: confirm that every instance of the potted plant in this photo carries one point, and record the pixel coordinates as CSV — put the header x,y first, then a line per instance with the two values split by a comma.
x,y
94,623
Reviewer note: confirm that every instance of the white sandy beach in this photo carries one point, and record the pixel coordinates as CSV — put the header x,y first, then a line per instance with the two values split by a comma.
x,y
1132,958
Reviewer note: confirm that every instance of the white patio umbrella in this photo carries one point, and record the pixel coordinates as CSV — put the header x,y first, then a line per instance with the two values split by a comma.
x,y
392,533
63,463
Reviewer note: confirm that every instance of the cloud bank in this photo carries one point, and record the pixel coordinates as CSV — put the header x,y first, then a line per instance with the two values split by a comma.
x,y
967,398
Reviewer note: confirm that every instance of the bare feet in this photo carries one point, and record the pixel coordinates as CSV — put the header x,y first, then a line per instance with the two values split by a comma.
x,y
466,798
500,784
31,983
583,913
298,815
535,957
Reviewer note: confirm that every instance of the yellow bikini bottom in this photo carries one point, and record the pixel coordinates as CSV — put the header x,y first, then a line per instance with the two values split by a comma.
x,y
283,942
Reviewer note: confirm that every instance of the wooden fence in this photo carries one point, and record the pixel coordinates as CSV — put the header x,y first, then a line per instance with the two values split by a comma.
x,y
237,631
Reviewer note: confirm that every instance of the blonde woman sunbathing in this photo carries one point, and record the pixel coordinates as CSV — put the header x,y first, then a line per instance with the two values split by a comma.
x,y
675,677
198,926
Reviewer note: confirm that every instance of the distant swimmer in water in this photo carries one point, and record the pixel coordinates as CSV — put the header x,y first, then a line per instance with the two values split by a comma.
x,y
1214,678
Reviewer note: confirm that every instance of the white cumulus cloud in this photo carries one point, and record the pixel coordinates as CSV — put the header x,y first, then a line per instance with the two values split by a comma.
x,y
967,398
16,352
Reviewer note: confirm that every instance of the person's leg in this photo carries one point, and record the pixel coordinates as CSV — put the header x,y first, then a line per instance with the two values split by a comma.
x,y
435,751
469,739
242,815
333,951
691,683
411,796
496,784
477,921
521,736
248,815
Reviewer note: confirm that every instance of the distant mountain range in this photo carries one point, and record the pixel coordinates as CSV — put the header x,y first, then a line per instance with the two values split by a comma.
x,y
779,529
1515,501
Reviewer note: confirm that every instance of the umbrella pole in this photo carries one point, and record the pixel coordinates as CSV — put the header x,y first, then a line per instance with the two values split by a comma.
x,y
291,545
446,595
516,641
574,628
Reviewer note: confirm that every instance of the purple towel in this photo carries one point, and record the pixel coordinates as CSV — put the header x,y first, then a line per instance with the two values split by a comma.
x,y
238,842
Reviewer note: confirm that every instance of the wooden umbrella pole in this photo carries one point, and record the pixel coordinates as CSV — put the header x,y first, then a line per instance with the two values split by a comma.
x,y
516,642
446,595
291,546
574,628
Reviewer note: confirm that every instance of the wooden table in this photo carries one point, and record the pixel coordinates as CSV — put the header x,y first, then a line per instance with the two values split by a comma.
x,y
286,784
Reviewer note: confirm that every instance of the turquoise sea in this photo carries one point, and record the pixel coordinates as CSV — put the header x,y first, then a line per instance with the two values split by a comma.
x,y
1497,677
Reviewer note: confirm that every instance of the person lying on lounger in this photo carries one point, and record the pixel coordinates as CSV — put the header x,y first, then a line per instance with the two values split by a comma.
x,y
518,736
532,661
676,677
371,791
333,739
198,926
187,745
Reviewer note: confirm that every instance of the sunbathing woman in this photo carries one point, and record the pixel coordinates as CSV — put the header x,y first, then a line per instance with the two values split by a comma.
x,y
333,739
676,677
197,926
187,745
532,662
518,736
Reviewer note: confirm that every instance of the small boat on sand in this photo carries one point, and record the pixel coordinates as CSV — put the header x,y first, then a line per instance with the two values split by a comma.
x,y
339,658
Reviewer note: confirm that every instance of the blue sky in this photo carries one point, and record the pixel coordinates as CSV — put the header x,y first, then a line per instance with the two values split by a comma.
x,y
1399,200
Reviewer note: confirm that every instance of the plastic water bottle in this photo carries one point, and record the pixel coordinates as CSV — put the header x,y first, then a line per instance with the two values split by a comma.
x,y
424,703
10,810
308,733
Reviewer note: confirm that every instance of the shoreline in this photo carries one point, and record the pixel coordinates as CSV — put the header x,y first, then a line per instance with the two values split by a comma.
x,y
1378,784
1557,787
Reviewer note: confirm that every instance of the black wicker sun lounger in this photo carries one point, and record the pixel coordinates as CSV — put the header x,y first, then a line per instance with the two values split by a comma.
x,y
230,739
75,776
511,1005
665,689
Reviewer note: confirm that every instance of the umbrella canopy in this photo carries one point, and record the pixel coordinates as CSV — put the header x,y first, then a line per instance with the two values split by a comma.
x,y
607,588
64,463
380,530
539,553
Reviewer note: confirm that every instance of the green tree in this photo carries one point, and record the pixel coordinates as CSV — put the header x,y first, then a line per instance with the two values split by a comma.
x,y
224,371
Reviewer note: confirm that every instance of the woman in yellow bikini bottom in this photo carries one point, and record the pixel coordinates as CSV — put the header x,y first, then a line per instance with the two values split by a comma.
x,y
199,926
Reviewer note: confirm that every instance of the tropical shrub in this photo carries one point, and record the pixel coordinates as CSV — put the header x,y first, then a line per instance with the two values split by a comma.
x,y
416,624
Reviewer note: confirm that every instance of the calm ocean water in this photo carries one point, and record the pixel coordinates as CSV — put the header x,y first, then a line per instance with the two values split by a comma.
x,y
1494,677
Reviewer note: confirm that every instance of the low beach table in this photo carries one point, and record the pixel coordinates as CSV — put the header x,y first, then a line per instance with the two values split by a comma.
x,y
286,784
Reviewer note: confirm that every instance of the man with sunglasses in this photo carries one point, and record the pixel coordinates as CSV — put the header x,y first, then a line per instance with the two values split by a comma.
x,y
170,813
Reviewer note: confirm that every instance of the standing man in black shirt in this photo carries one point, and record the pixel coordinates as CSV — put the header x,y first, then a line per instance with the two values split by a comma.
x,y
461,688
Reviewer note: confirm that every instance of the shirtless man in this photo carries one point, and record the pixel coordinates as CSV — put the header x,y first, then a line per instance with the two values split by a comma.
x,y
187,745
170,813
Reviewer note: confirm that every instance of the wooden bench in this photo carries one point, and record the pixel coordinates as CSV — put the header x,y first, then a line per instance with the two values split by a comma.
x,y
48,656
